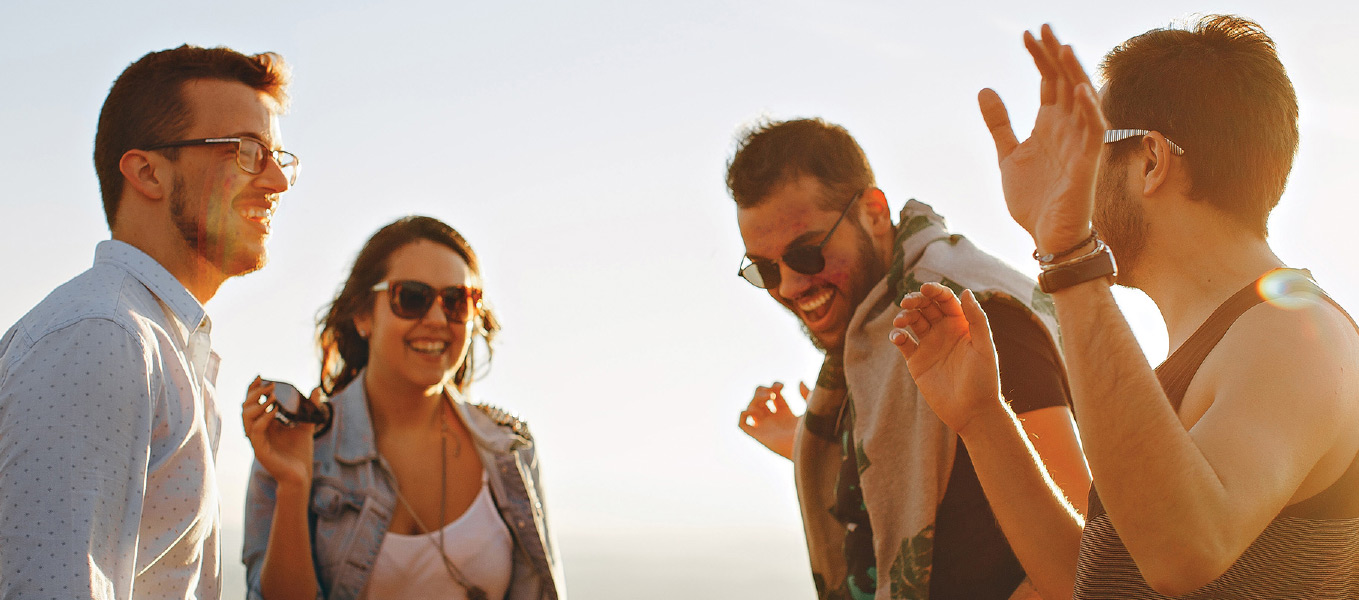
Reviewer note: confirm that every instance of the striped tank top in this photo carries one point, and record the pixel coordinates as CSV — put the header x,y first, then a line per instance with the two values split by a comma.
x,y
1310,551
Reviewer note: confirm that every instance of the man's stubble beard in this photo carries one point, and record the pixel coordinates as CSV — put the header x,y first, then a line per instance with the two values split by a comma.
x,y
1120,220
871,268
210,244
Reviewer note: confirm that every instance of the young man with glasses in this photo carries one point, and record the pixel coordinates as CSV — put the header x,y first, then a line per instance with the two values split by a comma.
x,y
1229,471
108,423
891,505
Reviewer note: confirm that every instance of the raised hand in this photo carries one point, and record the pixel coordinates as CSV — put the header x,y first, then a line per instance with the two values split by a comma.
x,y
1049,179
773,426
284,451
948,349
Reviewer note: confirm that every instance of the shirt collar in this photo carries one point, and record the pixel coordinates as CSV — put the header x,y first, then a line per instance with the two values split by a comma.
x,y
355,441
354,438
486,431
151,274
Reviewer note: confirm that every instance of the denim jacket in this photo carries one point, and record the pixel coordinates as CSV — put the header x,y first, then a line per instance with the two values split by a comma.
x,y
352,502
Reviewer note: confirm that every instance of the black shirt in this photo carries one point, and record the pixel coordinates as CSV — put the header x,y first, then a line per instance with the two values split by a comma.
x,y
972,560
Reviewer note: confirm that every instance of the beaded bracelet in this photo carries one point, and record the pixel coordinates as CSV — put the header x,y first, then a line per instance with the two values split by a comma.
x,y
1099,247
1051,258
1094,265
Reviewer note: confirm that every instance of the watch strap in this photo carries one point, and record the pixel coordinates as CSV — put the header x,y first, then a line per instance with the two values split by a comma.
x,y
1094,266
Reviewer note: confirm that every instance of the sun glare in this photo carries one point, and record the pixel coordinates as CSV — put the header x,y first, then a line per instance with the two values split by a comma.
x,y
1287,288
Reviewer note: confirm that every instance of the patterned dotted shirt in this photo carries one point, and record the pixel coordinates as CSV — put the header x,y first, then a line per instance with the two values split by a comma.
x,y
108,439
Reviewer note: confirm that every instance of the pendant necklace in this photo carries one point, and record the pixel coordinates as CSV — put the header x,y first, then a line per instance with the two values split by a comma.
x,y
474,592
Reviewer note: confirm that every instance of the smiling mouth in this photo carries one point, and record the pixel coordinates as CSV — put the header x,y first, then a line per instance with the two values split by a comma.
x,y
258,214
815,306
428,347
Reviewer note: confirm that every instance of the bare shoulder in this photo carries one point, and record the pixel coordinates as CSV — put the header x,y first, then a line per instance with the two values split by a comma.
x,y
1281,390
1296,352
1299,329
1301,338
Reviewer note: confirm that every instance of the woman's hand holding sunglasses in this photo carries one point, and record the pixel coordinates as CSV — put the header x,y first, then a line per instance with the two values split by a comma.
x,y
284,451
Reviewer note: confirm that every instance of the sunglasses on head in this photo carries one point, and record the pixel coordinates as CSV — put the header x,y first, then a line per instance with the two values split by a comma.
x,y
764,273
412,299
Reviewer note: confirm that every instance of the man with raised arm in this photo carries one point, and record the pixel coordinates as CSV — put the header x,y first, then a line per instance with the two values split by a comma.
x,y
108,424
1230,470
890,503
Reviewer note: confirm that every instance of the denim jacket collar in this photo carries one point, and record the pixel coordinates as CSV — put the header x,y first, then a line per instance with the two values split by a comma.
x,y
488,433
355,441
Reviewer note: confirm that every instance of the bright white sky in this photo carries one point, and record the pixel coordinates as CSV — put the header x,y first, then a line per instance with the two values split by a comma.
x,y
581,148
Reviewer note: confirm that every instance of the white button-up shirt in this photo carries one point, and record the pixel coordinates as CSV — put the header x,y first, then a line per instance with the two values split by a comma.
x,y
108,439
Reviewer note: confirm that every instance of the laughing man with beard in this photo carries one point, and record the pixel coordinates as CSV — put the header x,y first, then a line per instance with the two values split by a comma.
x,y
108,424
891,505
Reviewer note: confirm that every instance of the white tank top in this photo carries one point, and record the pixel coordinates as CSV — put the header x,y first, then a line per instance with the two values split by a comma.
x,y
477,543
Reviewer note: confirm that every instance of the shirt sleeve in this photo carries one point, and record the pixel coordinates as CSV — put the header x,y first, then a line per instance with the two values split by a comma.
x,y
1031,374
75,433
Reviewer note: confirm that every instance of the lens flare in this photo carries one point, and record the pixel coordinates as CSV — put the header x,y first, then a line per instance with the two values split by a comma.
x,y
1287,288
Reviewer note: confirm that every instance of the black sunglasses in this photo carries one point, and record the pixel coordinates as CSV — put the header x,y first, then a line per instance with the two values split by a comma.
x,y
764,273
412,299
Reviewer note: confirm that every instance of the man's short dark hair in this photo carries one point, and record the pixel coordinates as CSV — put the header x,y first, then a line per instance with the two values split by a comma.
x,y
146,104
773,153
1219,91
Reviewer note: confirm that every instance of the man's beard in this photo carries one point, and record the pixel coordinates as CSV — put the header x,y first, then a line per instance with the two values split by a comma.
x,y
1121,221
209,243
871,268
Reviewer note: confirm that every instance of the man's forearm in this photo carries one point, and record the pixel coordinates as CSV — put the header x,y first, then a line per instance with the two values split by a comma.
x,y
1043,529
1152,479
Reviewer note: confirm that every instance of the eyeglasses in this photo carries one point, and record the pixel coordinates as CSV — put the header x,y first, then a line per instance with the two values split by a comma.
x,y
1118,135
808,260
250,154
412,299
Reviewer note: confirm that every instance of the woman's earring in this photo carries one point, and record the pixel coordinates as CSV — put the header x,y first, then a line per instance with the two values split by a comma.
x,y
363,334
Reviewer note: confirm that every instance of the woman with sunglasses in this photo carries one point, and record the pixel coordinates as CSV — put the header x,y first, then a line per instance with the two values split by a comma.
x,y
411,492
